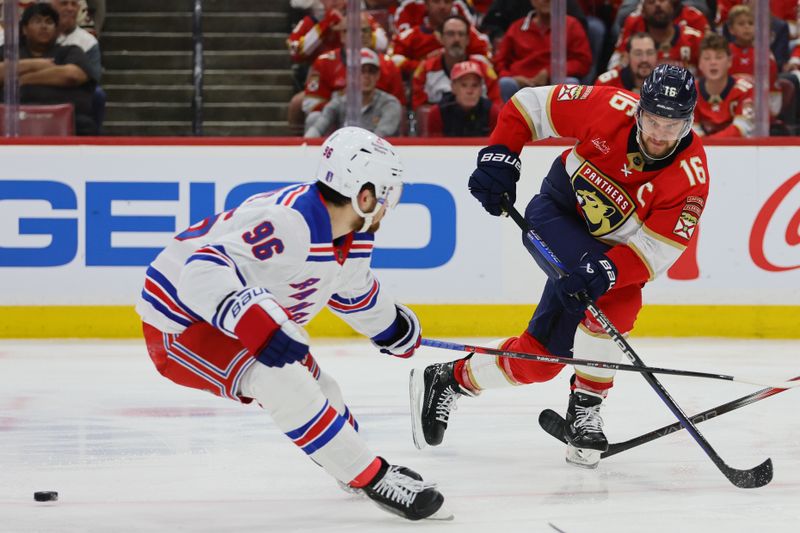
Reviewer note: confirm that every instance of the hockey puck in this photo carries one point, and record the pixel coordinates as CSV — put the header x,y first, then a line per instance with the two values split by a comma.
x,y
45,496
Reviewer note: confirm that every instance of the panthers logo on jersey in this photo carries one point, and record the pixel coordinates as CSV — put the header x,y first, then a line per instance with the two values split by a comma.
x,y
605,205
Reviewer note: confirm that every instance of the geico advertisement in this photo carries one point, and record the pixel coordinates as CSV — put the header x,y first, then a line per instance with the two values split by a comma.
x,y
78,224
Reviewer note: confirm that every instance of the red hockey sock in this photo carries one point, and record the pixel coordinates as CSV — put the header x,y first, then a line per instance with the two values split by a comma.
x,y
597,387
367,475
462,376
524,371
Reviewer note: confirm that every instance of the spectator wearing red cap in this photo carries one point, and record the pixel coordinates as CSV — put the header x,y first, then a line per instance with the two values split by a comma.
x,y
432,77
465,112
380,111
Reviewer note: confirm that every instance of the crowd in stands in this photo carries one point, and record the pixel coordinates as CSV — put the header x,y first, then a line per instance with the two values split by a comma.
x,y
450,64
59,61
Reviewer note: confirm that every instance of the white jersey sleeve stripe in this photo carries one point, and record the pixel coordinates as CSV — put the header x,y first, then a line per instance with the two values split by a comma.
x,y
216,254
359,303
533,104
162,295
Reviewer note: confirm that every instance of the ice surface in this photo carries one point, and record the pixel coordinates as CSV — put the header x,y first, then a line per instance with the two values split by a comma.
x,y
129,451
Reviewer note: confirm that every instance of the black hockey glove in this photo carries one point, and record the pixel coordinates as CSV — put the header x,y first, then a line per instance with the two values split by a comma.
x,y
595,274
497,174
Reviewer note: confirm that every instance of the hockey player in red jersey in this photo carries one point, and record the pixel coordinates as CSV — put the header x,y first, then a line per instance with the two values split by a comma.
x,y
223,308
725,104
618,209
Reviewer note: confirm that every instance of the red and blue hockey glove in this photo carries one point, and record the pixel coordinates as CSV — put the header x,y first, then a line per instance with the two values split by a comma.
x,y
595,275
402,337
496,175
266,329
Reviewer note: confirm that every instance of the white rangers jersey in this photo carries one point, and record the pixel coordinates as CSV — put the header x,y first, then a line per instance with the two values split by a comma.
x,y
281,241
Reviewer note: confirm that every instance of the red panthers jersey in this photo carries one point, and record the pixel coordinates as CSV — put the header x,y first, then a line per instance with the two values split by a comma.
x,y
743,62
728,114
647,210
415,44
328,74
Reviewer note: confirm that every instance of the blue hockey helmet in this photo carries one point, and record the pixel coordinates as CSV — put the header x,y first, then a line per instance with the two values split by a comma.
x,y
669,92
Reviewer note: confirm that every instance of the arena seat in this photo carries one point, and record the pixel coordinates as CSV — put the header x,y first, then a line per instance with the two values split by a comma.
x,y
43,120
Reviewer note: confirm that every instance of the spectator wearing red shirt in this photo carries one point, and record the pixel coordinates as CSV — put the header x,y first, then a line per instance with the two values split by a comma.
x,y
464,113
413,45
780,32
742,27
642,56
412,13
523,59
724,104
676,43
432,78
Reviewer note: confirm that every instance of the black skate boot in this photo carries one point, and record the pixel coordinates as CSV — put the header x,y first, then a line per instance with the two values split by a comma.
x,y
433,393
584,432
401,491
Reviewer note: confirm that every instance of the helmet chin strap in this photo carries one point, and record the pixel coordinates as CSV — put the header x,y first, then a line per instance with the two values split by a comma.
x,y
368,217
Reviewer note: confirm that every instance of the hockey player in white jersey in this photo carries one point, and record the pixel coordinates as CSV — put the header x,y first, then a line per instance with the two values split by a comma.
x,y
224,304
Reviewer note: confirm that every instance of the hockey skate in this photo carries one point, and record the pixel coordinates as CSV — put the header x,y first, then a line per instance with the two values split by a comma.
x,y
584,430
401,491
433,394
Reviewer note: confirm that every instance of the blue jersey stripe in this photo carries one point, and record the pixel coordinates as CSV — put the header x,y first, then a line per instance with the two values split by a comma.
x,y
326,437
165,284
296,433
164,310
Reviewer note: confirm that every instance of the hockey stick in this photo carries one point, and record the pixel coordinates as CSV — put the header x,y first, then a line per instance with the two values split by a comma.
x,y
554,424
757,476
555,359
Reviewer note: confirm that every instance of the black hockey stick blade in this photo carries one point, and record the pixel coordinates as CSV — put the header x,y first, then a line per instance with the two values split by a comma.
x,y
554,424
753,478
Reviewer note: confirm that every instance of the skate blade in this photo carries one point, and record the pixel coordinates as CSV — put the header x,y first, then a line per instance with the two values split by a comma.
x,y
416,393
442,514
582,457
352,491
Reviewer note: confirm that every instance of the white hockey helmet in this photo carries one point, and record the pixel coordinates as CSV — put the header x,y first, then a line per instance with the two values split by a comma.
x,y
353,157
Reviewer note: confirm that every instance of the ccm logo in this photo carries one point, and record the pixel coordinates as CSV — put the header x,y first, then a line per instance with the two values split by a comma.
x,y
501,158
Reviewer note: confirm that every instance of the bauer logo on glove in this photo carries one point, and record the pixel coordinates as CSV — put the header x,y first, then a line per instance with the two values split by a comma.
x,y
509,159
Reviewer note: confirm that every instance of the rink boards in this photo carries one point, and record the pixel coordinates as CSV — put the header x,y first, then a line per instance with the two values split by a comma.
x,y
79,224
